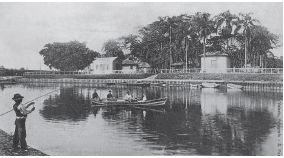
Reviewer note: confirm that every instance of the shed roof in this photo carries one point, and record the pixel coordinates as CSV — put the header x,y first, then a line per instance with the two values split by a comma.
x,y
129,62
214,54
108,59
144,64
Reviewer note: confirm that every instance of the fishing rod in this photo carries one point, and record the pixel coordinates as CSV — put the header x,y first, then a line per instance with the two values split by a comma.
x,y
32,100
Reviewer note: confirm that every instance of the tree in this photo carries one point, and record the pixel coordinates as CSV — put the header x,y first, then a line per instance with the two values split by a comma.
x,y
112,48
224,24
70,56
169,39
261,41
246,22
203,26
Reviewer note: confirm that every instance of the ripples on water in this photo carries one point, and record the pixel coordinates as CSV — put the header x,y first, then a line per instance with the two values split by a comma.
x,y
193,122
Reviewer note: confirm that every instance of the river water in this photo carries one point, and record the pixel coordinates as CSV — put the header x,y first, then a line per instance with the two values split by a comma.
x,y
193,121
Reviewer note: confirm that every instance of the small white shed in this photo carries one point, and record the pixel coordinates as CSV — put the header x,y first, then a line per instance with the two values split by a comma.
x,y
215,62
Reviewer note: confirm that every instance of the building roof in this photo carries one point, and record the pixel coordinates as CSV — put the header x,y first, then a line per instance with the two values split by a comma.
x,y
143,64
214,54
129,62
108,59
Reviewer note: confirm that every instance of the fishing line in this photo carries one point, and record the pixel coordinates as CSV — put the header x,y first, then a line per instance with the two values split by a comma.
x,y
31,100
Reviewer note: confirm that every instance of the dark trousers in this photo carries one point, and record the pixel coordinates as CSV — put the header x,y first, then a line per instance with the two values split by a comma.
x,y
20,133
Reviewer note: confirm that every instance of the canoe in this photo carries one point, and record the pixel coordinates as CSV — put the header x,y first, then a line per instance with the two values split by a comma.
x,y
210,85
110,83
195,85
117,102
162,84
129,84
234,86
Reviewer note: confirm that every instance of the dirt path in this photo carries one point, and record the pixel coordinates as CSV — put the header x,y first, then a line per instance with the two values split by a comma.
x,y
7,150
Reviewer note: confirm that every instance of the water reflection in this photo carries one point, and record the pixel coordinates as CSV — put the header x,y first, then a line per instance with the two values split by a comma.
x,y
193,122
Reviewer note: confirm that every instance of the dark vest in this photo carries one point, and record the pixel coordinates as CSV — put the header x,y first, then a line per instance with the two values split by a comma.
x,y
17,111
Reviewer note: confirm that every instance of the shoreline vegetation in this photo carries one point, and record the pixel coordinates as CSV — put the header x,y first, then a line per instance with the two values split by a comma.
x,y
7,150
173,76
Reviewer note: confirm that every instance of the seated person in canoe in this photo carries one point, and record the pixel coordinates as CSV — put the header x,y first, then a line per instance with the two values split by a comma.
x,y
110,97
96,96
143,98
128,97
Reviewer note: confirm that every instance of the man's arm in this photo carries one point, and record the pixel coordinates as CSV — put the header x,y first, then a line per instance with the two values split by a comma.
x,y
24,110
30,104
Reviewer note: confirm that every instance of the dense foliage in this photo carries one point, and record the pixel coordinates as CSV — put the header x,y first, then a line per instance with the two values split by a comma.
x,y
11,72
70,56
169,39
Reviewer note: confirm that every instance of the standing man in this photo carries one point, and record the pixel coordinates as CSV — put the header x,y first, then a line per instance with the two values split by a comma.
x,y
21,115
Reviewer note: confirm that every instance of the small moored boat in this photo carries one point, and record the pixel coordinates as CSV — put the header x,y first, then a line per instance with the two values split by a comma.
x,y
210,85
161,84
234,86
195,86
118,102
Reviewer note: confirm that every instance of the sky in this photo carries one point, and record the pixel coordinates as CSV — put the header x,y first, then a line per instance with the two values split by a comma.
x,y
26,27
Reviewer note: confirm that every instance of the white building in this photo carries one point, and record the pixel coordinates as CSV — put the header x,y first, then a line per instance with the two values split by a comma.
x,y
215,63
105,65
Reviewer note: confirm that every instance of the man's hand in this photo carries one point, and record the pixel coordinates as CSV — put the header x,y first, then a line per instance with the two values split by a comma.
x,y
33,108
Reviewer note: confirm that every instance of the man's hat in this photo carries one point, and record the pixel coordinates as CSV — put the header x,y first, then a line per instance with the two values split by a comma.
x,y
17,96
128,92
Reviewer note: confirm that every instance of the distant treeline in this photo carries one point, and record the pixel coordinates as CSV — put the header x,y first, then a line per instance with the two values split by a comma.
x,y
184,38
12,72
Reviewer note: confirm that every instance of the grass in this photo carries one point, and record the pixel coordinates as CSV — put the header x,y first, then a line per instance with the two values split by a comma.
x,y
175,76
97,76
221,76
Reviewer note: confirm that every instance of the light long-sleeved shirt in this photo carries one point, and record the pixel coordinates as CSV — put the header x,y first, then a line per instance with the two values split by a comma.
x,y
23,109
128,97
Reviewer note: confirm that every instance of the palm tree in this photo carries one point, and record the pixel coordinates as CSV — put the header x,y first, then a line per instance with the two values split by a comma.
x,y
261,42
203,26
224,25
246,22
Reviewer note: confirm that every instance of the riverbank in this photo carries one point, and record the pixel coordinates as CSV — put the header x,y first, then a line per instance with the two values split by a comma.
x,y
7,150
171,76
222,76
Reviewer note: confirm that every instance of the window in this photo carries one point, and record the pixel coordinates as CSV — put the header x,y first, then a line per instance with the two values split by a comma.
x,y
102,67
131,66
213,64
97,67
107,66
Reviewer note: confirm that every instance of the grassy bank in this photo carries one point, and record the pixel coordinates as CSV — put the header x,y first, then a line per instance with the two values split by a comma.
x,y
226,77
96,76
7,150
177,76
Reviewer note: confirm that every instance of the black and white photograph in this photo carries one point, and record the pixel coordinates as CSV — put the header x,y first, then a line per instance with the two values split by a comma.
x,y
141,78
